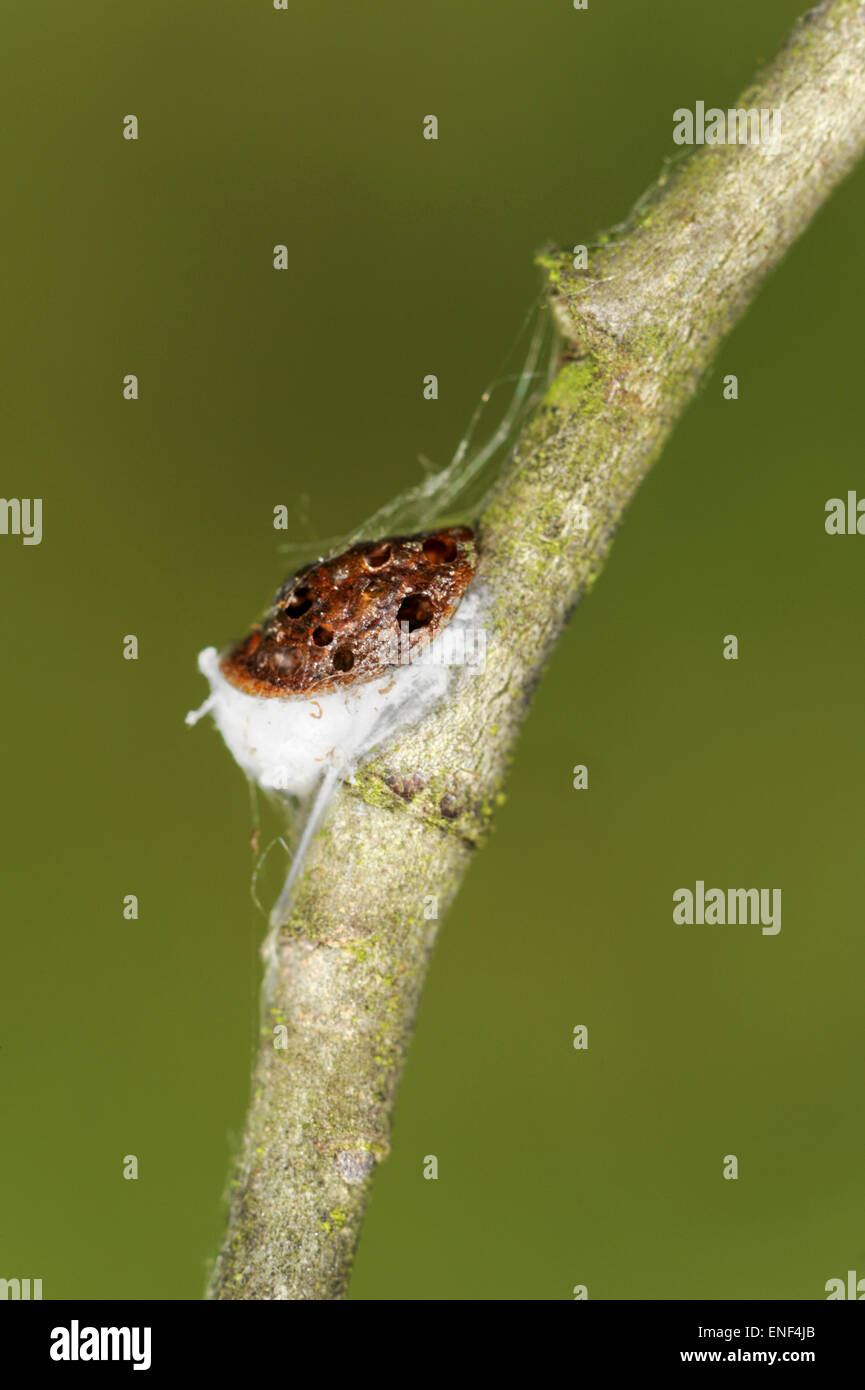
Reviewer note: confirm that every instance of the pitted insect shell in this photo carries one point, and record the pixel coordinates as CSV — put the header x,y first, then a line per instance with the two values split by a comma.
x,y
345,619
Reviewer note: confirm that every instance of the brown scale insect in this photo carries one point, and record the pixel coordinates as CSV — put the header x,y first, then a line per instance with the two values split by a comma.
x,y
340,620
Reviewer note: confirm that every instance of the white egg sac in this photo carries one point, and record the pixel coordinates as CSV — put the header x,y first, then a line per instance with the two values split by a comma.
x,y
289,743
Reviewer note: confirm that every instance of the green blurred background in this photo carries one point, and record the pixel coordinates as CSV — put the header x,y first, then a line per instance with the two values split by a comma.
x,y
304,388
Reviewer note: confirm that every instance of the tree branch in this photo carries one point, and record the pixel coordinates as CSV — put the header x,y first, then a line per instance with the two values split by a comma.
x,y
642,324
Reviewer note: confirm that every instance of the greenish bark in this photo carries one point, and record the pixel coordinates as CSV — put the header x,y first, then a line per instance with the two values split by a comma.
x,y
641,325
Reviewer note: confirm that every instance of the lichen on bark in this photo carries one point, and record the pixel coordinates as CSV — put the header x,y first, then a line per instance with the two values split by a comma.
x,y
641,327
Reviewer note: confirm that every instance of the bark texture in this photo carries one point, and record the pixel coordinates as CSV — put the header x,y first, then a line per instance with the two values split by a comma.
x,y
641,326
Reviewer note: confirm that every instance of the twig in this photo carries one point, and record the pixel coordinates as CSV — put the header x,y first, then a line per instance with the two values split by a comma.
x,y
643,324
